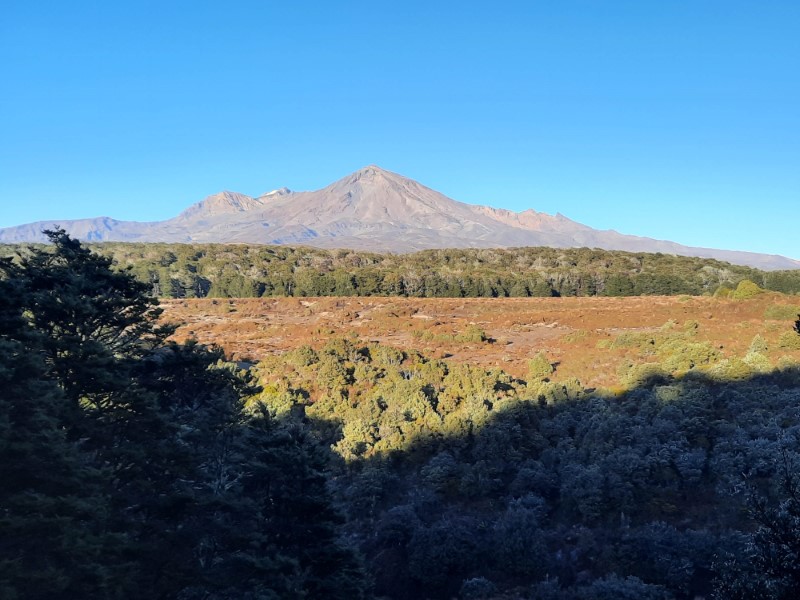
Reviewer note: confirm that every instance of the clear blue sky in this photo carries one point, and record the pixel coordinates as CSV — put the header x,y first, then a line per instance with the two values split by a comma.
x,y
676,120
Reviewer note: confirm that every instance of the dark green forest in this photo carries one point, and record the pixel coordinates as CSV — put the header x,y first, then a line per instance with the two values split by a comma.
x,y
135,467
227,270
129,465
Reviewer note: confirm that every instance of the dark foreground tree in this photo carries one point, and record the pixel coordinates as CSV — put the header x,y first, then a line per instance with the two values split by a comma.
x,y
129,466
51,493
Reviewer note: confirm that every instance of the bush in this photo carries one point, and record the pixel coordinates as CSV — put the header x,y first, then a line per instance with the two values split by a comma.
x,y
789,340
758,345
304,356
746,290
633,339
732,369
519,542
683,357
472,334
691,326
758,362
539,367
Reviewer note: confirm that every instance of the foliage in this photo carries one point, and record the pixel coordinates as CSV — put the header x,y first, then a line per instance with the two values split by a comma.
x,y
746,290
758,362
769,567
758,345
539,367
723,291
216,270
789,340
461,480
472,334
129,465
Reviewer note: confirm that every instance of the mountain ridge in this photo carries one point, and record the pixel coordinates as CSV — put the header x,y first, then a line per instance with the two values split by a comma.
x,y
371,209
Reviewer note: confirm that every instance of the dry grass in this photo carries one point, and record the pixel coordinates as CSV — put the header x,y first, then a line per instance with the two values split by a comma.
x,y
571,331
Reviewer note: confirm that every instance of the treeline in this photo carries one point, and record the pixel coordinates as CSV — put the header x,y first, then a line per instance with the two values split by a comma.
x,y
193,271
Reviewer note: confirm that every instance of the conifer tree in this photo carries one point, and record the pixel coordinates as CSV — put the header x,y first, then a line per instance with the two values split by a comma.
x,y
51,494
129,466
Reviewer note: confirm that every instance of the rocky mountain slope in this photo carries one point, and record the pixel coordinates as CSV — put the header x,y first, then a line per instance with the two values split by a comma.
x,y
371,209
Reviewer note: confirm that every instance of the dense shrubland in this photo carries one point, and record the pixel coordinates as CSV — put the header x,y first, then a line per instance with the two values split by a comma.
x,y
459,480
133,467
190,271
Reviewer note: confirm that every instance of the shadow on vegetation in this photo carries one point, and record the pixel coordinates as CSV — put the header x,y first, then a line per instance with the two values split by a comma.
x,y
458,482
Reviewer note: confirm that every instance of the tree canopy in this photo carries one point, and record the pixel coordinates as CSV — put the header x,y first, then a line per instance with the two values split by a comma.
x,y
227,270
131,467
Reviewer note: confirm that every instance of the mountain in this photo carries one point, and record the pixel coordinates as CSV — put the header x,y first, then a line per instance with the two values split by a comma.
x,y
371,209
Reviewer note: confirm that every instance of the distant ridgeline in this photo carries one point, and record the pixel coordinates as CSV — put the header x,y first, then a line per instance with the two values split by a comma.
x,y
223,270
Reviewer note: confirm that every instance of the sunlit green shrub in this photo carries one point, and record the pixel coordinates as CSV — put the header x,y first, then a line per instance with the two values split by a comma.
x,y
681,357
758,362
633,339
539,367
759,344
471,335
302,356
746,290
789,340
731,369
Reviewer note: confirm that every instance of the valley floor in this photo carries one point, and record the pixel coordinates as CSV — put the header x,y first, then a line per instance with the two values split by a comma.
x,y
577,334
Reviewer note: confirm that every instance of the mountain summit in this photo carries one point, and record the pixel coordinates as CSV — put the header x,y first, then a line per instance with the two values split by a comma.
x,y
219,204
371,209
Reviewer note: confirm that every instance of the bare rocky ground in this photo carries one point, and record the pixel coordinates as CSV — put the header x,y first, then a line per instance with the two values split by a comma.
x,y
568,330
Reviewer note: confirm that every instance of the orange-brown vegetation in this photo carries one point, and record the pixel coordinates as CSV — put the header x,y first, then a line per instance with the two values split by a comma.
x,y
576,334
